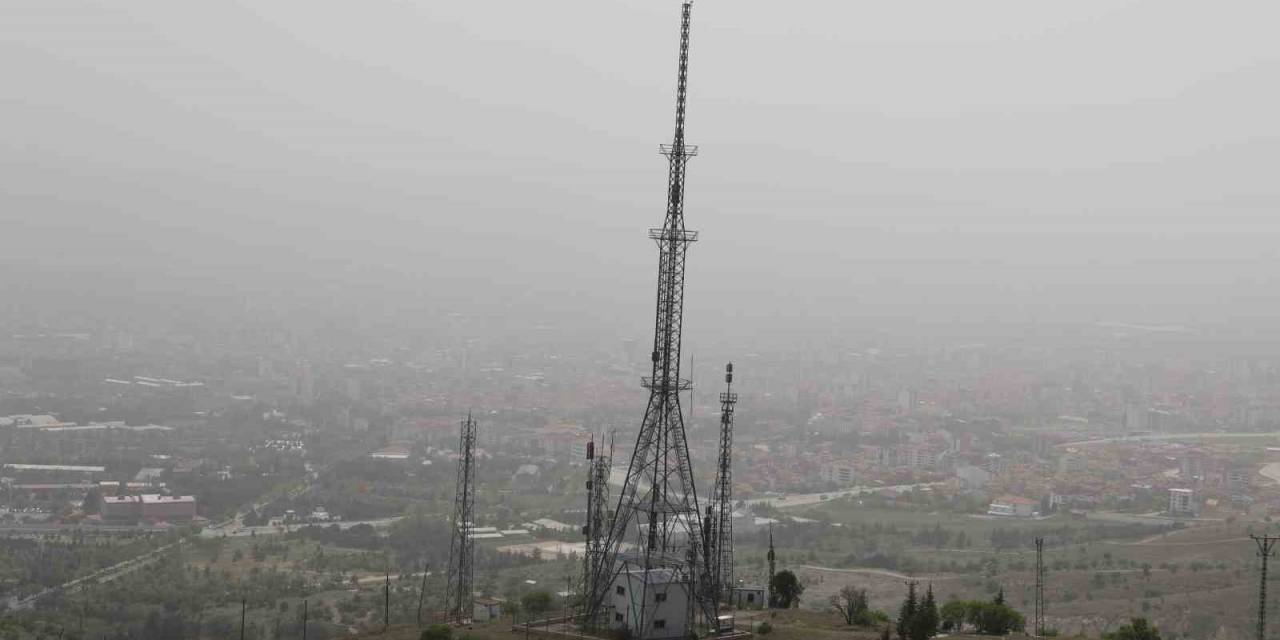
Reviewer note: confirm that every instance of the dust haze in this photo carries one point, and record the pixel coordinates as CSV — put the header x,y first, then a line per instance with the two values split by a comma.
x,y
863,167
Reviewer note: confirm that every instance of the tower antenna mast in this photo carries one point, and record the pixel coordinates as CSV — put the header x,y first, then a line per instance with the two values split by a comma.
x,y
655,537
720,551
459,598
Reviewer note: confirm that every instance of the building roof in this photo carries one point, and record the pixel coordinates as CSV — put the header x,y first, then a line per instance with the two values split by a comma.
x,y
55,467
1016,500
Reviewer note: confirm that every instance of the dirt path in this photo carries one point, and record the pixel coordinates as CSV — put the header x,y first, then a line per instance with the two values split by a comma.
x,y
884,573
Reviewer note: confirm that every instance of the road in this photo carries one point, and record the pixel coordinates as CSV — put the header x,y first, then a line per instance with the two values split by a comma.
x,y
268,530
885,573
1212,435
788,501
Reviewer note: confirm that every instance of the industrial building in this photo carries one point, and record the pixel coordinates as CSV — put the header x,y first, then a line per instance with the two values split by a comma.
x,y
149,507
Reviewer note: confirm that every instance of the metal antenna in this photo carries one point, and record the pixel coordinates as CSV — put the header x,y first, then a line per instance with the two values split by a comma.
x,y
459,598
720,551
1039,623
1265,544
656,532
596,529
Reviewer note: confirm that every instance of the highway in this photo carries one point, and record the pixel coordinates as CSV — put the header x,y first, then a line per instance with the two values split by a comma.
x,y
787,501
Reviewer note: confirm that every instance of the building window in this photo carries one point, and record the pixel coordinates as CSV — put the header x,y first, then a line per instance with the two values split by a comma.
x,y
617,617
622,591
659,624
751,597
659,597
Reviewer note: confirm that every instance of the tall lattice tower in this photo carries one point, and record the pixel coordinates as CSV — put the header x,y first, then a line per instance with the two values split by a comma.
x,y
596,529
720,545
459,598
655,540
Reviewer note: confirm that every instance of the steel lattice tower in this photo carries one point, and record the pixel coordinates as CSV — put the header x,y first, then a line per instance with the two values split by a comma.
x,y
1265,545
656,524
720,545
596,529
1039,621
459,598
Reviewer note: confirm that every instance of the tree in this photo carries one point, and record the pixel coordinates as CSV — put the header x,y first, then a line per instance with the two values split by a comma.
x,y
786,588
437,632
999,596
536,602
907,612
925,623
995,619
1137,629
852,605
953,615
92,501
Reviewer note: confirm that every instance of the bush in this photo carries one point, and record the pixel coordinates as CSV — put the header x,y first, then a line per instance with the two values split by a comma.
x,y
437,632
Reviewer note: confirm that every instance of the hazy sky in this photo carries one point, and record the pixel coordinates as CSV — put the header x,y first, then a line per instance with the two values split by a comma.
x,y
860,160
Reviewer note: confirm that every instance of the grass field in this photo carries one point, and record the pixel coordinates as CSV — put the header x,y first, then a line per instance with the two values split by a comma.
x,y
1197,582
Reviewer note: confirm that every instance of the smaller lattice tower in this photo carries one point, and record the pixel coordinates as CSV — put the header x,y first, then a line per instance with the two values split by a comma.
x,y
459,598
773,571
1039,623
596,529
1266,545
720,544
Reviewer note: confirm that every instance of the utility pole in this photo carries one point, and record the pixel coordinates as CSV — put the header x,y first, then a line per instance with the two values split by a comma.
x,y
772,599
1265,544
386,604
568,587
1039,626
422,592
304,620
244,604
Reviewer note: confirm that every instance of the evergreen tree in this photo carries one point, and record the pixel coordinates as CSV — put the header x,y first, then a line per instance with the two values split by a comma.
x,y
785,589
1000,596
907,613
925,623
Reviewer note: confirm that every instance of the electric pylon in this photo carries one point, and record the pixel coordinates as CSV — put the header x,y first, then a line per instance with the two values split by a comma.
x,y
656,535
459,598
1039,622
1265,544
720,541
